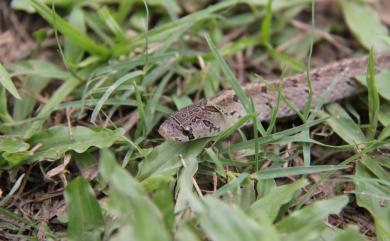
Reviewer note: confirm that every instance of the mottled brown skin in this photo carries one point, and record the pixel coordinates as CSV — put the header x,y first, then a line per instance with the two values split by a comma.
x,y
212,117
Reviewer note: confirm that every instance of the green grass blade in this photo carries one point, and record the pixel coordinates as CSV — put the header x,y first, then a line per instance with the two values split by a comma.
x,y
376,169
385,133
308,106
373,97
344,125
218,163
232,128
76,37
59,95
307,223
368,30
350,233
12,144
38,69
292,171
111,89
255,122
381,82
275,110
221,221
378,207
146,32
136,210
265,30
112,24
24,107
153,102
6,82
181,101
160,33
72,53
185,194
56,141
272,202
233,185
276,136
163,159
123,10
94,22
112,101
84,212
14,188
229,75
140,108
4,114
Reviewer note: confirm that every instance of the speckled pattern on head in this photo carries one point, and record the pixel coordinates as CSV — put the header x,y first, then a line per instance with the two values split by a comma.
x,y
211,117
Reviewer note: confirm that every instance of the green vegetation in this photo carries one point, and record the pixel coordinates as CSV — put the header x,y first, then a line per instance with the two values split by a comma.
x,y
79,130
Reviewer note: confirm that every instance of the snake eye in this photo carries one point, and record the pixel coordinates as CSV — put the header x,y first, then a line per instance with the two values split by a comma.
x,y
188,133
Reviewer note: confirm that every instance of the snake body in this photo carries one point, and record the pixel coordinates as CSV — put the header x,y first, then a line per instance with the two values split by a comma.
x,y
211,117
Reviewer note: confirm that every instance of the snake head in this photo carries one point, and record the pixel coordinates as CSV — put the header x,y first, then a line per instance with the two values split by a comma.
x,y
171,130
192,122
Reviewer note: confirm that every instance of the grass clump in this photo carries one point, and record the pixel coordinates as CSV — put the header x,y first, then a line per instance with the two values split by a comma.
x,y
81,159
